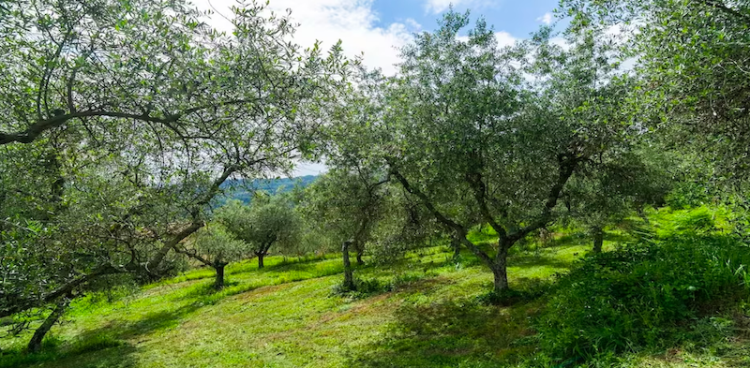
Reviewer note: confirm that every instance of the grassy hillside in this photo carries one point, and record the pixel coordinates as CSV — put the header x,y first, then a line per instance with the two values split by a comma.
x,y
429,312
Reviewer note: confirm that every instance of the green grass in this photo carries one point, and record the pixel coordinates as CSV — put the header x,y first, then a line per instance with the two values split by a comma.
x,y
285,315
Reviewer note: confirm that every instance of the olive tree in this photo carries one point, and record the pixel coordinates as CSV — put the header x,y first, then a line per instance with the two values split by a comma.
x,y
691,59
266,222
212,246
475,142
614,186
347,205
122,120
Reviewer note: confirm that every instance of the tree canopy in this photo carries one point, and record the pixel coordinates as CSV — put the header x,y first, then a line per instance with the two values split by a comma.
x,y
122,122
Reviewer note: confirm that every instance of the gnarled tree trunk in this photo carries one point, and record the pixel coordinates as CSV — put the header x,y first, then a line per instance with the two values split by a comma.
x,y
35,345
500,269
568,161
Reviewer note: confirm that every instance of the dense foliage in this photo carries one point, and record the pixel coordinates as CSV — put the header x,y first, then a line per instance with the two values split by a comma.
x,y
266,222
642,295
121,123
129,129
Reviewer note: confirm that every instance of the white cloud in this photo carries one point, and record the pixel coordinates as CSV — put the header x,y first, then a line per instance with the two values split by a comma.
x,y
439,6
352,21
560,41
413,24
546,18
309,168
505,39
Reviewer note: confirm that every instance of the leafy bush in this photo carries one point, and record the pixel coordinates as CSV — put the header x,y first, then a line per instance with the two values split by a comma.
x,y
362,289
532,289
640,296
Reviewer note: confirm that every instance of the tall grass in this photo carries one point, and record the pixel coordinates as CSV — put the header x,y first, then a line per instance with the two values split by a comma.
x,y
644,295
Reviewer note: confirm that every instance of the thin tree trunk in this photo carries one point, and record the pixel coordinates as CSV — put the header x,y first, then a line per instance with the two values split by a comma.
x,y
456,245
260,260
219,283
348,276
359,240
500,269
598,239
360,253
35,345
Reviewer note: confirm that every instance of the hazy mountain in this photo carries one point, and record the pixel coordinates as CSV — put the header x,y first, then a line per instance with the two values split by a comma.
x,y
243,189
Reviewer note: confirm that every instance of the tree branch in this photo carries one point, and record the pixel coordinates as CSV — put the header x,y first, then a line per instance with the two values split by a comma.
x,y
65,289
194,255
480,192
567,164
41,126
195,225
450,224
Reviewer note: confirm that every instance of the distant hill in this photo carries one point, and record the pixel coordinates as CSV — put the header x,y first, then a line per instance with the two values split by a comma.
x,y
243,189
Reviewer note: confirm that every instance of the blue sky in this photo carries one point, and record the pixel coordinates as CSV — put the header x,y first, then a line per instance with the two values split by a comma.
x,y
519,18
378,28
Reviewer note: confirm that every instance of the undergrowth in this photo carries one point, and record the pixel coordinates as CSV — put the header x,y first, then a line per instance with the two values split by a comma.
x,y
649,295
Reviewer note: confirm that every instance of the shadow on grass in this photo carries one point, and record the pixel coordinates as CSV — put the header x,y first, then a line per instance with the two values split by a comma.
x,y
251,264
288,273
617,237
516,259
301,267
428,264
82,353
109,346
155,321
537,260
451,334
303,260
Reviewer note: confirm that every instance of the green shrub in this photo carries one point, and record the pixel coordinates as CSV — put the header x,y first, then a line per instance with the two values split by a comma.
x,y
403,280
532,289
642,295
362,288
